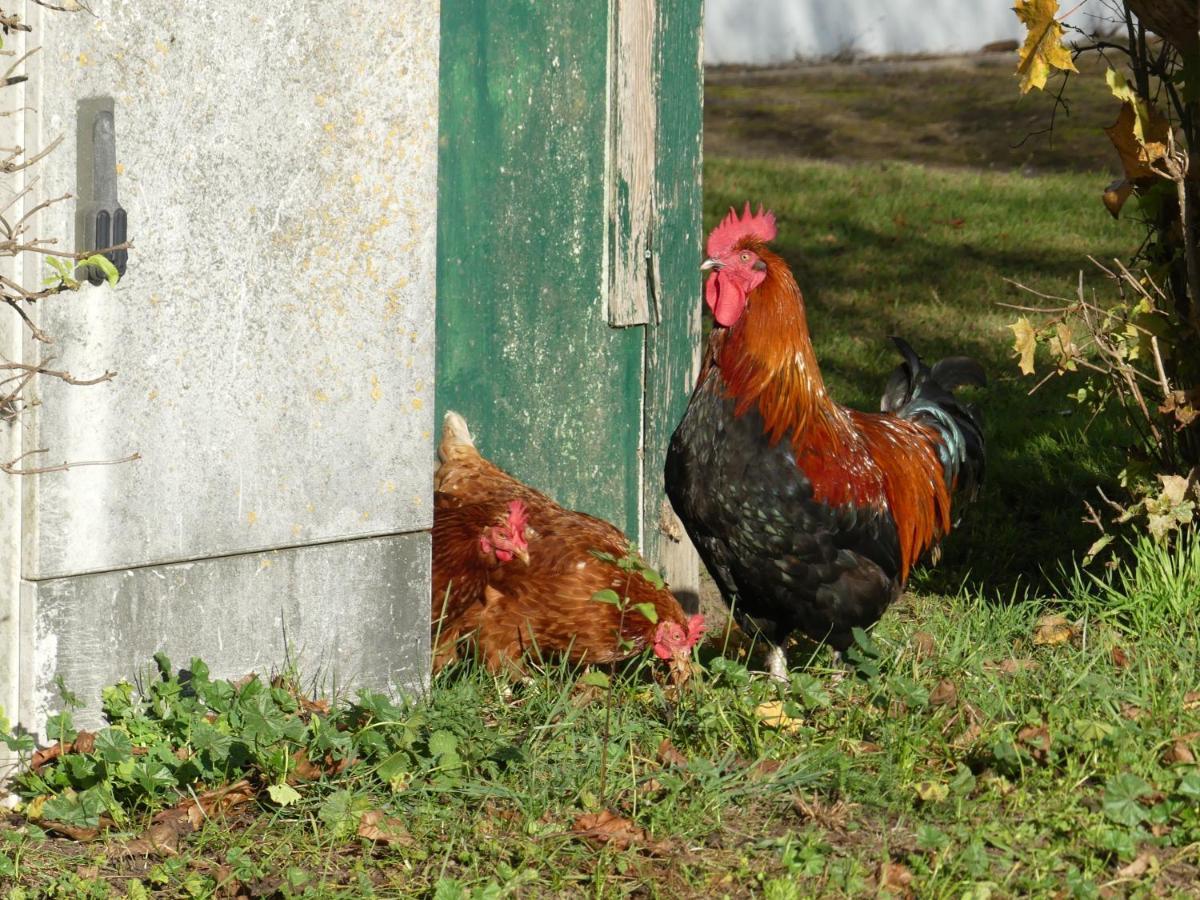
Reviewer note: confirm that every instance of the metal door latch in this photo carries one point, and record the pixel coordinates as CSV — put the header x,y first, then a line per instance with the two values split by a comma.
x,y
102,222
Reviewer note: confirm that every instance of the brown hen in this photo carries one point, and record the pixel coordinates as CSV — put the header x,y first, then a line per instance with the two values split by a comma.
x,y
515,575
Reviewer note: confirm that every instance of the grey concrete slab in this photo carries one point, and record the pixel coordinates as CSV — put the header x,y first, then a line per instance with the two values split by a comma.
x,y
274,332
347,614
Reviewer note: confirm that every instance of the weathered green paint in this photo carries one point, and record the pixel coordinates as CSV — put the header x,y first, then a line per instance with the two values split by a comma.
x,y
525,353
672,344
524,350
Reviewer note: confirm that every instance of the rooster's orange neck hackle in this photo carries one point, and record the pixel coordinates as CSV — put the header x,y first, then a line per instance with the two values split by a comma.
x,y
766,360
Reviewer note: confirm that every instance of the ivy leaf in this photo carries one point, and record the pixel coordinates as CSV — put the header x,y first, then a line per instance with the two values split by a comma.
x,y
649,612
101,262
1043,48
1121,796
608,595
1024,343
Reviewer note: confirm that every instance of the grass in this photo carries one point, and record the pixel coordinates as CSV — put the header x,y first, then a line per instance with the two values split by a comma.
x,y
963,752
977,747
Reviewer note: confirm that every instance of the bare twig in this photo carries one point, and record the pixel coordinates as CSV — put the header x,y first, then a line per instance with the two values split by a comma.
x,y
1158,364
10,467
61,375
20,59
9,167
37,333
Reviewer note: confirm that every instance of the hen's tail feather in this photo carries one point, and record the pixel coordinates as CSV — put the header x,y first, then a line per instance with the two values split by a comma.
x,y
456,437
923,394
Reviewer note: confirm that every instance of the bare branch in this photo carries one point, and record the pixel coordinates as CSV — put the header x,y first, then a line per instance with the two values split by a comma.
x,y
10,467
62,375
37,333
20,59
8,166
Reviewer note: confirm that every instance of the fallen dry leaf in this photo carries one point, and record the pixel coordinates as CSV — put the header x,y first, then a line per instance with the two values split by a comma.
x,y
374,826
1178,752
772,715
1139,867
969,736
1191,700
1119,657
75,832
858,748
945,694
170,826
668,755
895,878
304,769
1036,739
923,644
765,768
1132,712
607,827
161,838
829,816
650,786
1012,666
1052,629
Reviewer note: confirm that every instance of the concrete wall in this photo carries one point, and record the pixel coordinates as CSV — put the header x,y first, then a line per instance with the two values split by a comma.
x,y
778,31
274,343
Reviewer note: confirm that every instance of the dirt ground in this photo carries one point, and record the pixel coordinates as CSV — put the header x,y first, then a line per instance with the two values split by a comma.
x,y
944,111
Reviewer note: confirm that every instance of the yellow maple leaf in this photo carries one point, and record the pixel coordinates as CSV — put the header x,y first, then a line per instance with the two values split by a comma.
x,y
1025,343
1043,48
771,714
1063,348
1140,135
1051,630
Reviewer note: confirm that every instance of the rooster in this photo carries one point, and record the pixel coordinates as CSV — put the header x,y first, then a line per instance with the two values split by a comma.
x,y
809,515
515,574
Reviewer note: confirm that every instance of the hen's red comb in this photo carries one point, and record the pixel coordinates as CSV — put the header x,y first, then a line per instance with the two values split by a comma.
x,y
518,518
725,237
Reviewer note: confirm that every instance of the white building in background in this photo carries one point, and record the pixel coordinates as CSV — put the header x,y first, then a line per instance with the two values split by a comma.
x,y
762,32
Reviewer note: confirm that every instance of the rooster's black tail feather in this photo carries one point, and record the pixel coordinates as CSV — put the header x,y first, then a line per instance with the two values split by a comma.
x,y
926,395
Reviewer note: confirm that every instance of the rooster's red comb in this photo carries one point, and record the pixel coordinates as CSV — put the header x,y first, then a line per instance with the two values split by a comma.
x,y
760,226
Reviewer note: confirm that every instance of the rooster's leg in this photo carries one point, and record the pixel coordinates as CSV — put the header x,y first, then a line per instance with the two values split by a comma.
x,y
777,666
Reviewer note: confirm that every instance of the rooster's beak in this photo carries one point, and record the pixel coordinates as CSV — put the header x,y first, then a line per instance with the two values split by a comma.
x,y
711,264
522,554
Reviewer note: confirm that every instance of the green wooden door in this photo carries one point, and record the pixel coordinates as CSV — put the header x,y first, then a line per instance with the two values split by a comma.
x,y
568,241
